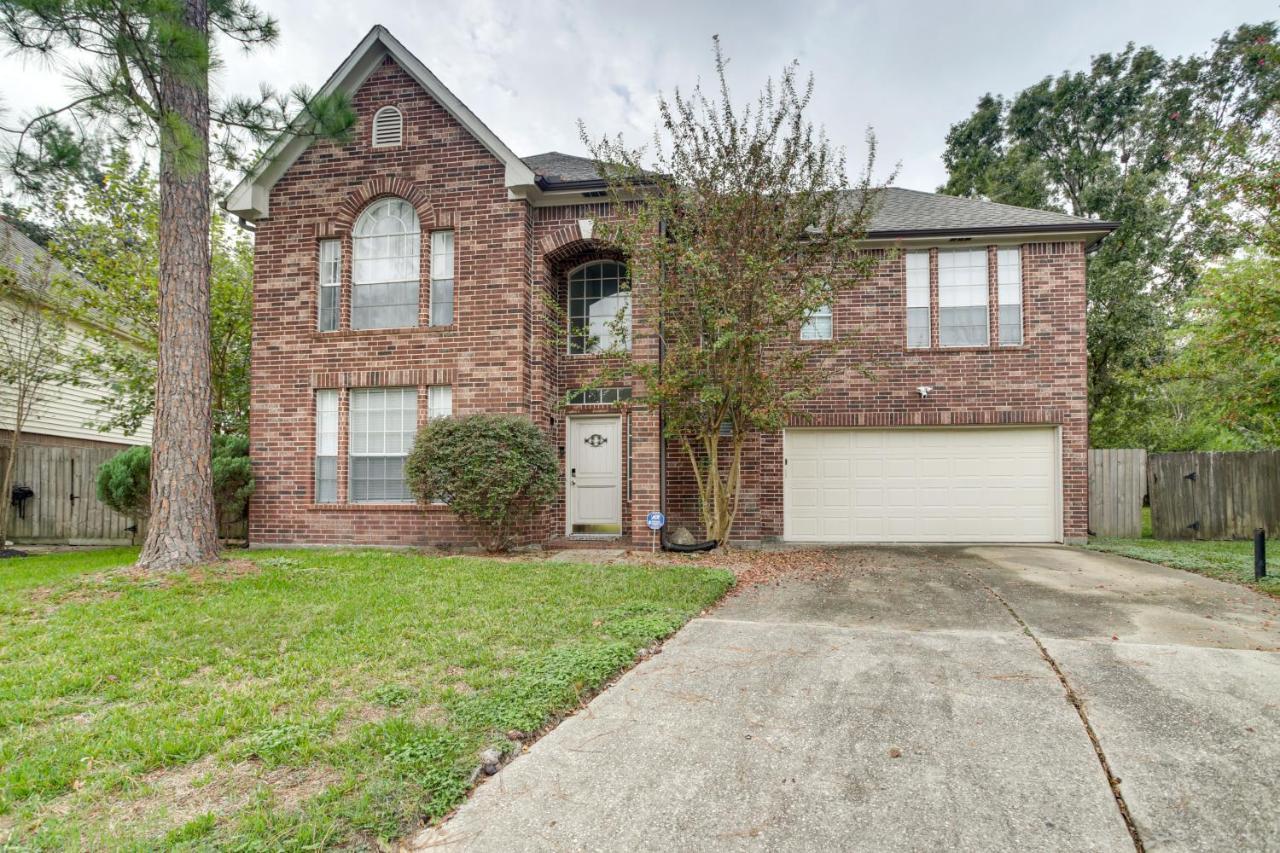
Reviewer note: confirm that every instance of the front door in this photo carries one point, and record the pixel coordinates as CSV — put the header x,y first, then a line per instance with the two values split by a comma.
x,y
594,461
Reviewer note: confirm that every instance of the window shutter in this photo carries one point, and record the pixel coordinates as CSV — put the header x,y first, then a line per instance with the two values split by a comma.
x,y
388,128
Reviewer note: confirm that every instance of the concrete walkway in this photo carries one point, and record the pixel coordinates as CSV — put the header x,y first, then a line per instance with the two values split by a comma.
x,y
921,699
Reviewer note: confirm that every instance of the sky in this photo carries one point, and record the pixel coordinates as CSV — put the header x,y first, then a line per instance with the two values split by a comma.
x,y
531,69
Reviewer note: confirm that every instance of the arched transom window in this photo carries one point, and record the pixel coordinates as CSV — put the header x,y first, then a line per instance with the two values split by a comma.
x,y
599,307
385,268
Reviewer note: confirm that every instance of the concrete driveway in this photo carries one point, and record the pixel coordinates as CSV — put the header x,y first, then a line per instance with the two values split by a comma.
x,y
924,699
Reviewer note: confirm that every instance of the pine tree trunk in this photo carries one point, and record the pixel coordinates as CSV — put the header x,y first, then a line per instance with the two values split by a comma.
x,y
182,529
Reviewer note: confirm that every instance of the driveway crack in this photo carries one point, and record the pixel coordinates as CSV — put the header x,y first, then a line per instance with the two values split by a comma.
x,y
1076,703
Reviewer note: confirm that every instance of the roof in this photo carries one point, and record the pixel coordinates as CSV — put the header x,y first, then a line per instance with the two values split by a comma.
x,y
250,197
28,259
899,212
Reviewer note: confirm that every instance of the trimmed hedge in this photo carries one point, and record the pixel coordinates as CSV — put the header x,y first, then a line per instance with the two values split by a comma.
x,y
124,480
497,471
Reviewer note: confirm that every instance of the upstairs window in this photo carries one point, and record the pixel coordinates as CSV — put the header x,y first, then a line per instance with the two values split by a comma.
x,y
330,283
388,128
962,298
385,266
918,315
442,278
818,325
599,307
1009,294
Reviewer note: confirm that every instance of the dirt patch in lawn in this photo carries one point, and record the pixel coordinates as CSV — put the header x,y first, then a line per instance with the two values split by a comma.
x,y
753,567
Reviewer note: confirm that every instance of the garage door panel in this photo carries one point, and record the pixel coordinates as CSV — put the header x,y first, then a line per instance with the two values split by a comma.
x,y
922,485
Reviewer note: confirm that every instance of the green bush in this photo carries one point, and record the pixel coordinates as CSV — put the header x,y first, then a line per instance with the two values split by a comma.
x,y
494,470
124,480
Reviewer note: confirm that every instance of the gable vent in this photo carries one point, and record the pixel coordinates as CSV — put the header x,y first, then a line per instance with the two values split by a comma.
x,y
388,128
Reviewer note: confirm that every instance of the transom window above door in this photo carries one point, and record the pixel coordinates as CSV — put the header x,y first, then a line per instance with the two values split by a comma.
x,y
599,307
385,269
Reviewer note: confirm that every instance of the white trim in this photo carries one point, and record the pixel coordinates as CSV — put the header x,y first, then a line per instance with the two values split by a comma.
x,y
379,127
249,199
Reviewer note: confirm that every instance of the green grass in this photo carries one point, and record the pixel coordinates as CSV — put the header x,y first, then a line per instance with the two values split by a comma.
x,y
323,699
1228,561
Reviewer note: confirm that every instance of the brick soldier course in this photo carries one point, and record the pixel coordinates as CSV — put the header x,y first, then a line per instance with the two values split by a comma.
x,y
519,226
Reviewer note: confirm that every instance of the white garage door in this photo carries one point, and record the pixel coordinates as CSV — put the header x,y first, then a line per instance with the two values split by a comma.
x,y
922,485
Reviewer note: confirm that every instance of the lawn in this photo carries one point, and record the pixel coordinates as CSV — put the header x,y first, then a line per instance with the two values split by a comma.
x,y
1228,561
294,699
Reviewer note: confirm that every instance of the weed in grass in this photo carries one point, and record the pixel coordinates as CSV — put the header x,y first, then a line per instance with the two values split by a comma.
x,y
392,695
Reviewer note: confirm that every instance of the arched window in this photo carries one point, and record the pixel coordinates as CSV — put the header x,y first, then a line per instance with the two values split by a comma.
x,y
385,266
388,128
599,307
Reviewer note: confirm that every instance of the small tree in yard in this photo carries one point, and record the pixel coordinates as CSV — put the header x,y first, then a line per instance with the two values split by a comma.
x,y
33,333
759,229
497,471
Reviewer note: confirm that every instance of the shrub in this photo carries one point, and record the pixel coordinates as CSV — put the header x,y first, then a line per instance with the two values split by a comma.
x,y
494,470
124,480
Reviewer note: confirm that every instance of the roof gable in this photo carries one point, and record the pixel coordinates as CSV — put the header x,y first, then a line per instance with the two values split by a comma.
x,y
250,197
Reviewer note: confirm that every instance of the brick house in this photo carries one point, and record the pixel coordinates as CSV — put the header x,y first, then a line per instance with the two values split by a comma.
x,y
410,273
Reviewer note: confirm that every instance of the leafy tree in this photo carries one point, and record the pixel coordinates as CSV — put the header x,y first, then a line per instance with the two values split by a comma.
x,y
141,68
746,227
107,230
33,352
1147,142
495,470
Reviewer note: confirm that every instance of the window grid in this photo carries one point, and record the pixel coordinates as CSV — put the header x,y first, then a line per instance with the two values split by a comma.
x,y
598,294
818,326
598,396
918,332
383,424
385,266
442,278
326,446
963,320
1009,295
330,284
439,402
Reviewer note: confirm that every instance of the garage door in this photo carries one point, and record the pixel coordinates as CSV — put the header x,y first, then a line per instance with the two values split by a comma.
x,y
921,485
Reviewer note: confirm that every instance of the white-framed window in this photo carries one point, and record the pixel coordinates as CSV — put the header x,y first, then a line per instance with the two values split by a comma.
x,y
385,266
1009,295
599,307
382,426
326,446
442,278
818,326
962,298
599,396
918,315
439,401
388,128
330,284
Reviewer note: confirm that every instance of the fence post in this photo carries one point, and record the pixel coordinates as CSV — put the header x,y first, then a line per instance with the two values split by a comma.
x,y
1259,554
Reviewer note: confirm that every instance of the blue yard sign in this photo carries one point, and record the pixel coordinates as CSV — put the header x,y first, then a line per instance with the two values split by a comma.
x,y
655,520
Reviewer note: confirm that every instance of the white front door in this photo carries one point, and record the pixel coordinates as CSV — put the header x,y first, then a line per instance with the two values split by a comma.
x,y
594,468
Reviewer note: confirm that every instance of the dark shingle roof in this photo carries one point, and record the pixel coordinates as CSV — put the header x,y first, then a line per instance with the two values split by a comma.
x,y
556,169
899,212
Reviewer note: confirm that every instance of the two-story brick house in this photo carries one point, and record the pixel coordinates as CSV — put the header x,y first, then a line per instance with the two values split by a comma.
x,y
422,269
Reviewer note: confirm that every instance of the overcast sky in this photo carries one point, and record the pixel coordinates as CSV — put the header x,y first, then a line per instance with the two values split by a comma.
x,y
531,69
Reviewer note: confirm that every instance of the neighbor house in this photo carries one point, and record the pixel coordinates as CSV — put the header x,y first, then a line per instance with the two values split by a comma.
x,y
422,269
54,497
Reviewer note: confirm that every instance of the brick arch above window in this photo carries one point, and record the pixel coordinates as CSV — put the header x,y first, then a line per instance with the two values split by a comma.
x,y
355,203
571,241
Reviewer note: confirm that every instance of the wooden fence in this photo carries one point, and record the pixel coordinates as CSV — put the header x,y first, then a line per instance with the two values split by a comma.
x,y
1117,485
64,508
1214,495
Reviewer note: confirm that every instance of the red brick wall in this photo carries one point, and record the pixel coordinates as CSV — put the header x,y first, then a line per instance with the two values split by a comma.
x,y
1040,382
505,351
454,183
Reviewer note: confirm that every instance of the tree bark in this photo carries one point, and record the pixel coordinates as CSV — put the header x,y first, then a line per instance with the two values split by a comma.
x,y
183,527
